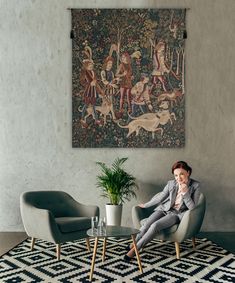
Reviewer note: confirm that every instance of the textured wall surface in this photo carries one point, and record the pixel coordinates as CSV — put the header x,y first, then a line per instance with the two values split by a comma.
x,y
35,110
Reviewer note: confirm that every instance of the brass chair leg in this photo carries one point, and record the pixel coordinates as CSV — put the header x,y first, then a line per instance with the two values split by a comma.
x,y
177,249
32,243
88,244
194,242
58,248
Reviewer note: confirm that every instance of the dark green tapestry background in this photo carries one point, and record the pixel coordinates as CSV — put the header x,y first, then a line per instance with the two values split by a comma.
x,y
128,78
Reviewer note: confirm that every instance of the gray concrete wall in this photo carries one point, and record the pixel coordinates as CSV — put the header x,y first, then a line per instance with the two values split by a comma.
x,y
35,115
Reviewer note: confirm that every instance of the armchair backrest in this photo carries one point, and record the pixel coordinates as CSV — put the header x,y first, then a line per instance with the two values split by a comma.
x,y
59,203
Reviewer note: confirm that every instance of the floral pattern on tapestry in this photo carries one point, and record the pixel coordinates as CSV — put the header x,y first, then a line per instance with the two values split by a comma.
x,y
128,70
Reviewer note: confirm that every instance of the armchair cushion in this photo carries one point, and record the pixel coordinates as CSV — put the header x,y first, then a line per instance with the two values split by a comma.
x,y
72,224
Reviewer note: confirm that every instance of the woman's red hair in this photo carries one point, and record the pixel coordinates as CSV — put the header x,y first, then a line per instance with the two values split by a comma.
x,y
182,165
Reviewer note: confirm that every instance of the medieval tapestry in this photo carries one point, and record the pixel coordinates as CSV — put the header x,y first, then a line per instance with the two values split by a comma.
x,y
128,77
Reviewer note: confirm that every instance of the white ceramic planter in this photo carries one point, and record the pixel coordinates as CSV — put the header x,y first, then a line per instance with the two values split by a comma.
x,y
113,214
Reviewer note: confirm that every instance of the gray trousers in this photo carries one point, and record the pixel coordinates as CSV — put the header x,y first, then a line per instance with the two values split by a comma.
x,y
156,222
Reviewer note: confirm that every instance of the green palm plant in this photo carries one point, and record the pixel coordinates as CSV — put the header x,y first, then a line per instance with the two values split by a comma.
x,y
116,184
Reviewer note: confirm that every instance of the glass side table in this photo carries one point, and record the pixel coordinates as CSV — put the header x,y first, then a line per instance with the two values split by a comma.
x,y
112,231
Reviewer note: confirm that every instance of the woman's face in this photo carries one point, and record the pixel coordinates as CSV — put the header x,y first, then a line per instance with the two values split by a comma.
x,y
124,59
109,65
181,176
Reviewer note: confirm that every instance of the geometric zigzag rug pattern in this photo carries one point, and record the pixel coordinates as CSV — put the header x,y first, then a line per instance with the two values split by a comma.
x,y
208,263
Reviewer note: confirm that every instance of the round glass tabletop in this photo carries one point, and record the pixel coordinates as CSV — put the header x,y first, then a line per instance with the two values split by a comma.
x,y
113,231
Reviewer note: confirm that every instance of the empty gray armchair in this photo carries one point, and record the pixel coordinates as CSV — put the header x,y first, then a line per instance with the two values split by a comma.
x,y
188,227
56,217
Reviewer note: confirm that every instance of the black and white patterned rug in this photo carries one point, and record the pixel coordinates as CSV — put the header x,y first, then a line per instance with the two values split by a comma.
x,y
208,263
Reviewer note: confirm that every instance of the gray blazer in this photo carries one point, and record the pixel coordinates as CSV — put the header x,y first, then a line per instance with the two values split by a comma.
x,y
166,199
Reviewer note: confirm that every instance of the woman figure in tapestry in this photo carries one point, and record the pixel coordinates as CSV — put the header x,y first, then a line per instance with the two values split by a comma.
x,y
124,72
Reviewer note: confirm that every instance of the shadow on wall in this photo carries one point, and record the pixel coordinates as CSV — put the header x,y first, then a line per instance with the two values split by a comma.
x,y
147,191
219,204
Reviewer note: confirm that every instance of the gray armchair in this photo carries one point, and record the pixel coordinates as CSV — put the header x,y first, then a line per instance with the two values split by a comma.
x,y
56,217
188,227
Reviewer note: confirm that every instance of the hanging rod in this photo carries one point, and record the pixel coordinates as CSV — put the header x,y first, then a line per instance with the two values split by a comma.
x,y
132,8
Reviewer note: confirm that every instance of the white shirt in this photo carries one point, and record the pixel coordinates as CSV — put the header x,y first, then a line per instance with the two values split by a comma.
x,y
178,199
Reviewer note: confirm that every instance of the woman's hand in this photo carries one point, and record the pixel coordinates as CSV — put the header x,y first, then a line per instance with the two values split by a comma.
x,y
141,205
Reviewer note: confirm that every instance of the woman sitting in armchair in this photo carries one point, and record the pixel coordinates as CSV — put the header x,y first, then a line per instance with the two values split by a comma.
x,y
178,196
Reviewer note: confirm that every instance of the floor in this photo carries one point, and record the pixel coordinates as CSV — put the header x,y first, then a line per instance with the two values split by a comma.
x,y
8,240
223,239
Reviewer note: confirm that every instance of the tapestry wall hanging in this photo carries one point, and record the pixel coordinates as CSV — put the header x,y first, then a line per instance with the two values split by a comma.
x,y
128,70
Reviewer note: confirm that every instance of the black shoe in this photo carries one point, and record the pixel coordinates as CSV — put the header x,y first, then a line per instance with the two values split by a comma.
x,y
127,258
128,248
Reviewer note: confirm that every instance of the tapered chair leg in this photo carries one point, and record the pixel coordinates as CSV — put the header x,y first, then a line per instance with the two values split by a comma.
x,y
137,253
32,243
194,242
93,258
104,249
58,249
177,249
88,244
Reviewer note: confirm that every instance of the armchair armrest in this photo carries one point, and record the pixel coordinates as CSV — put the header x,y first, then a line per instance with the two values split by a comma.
x,y
191,221
34,217
139,213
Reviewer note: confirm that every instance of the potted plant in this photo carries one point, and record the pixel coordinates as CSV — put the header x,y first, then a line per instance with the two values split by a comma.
x,y
118,186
